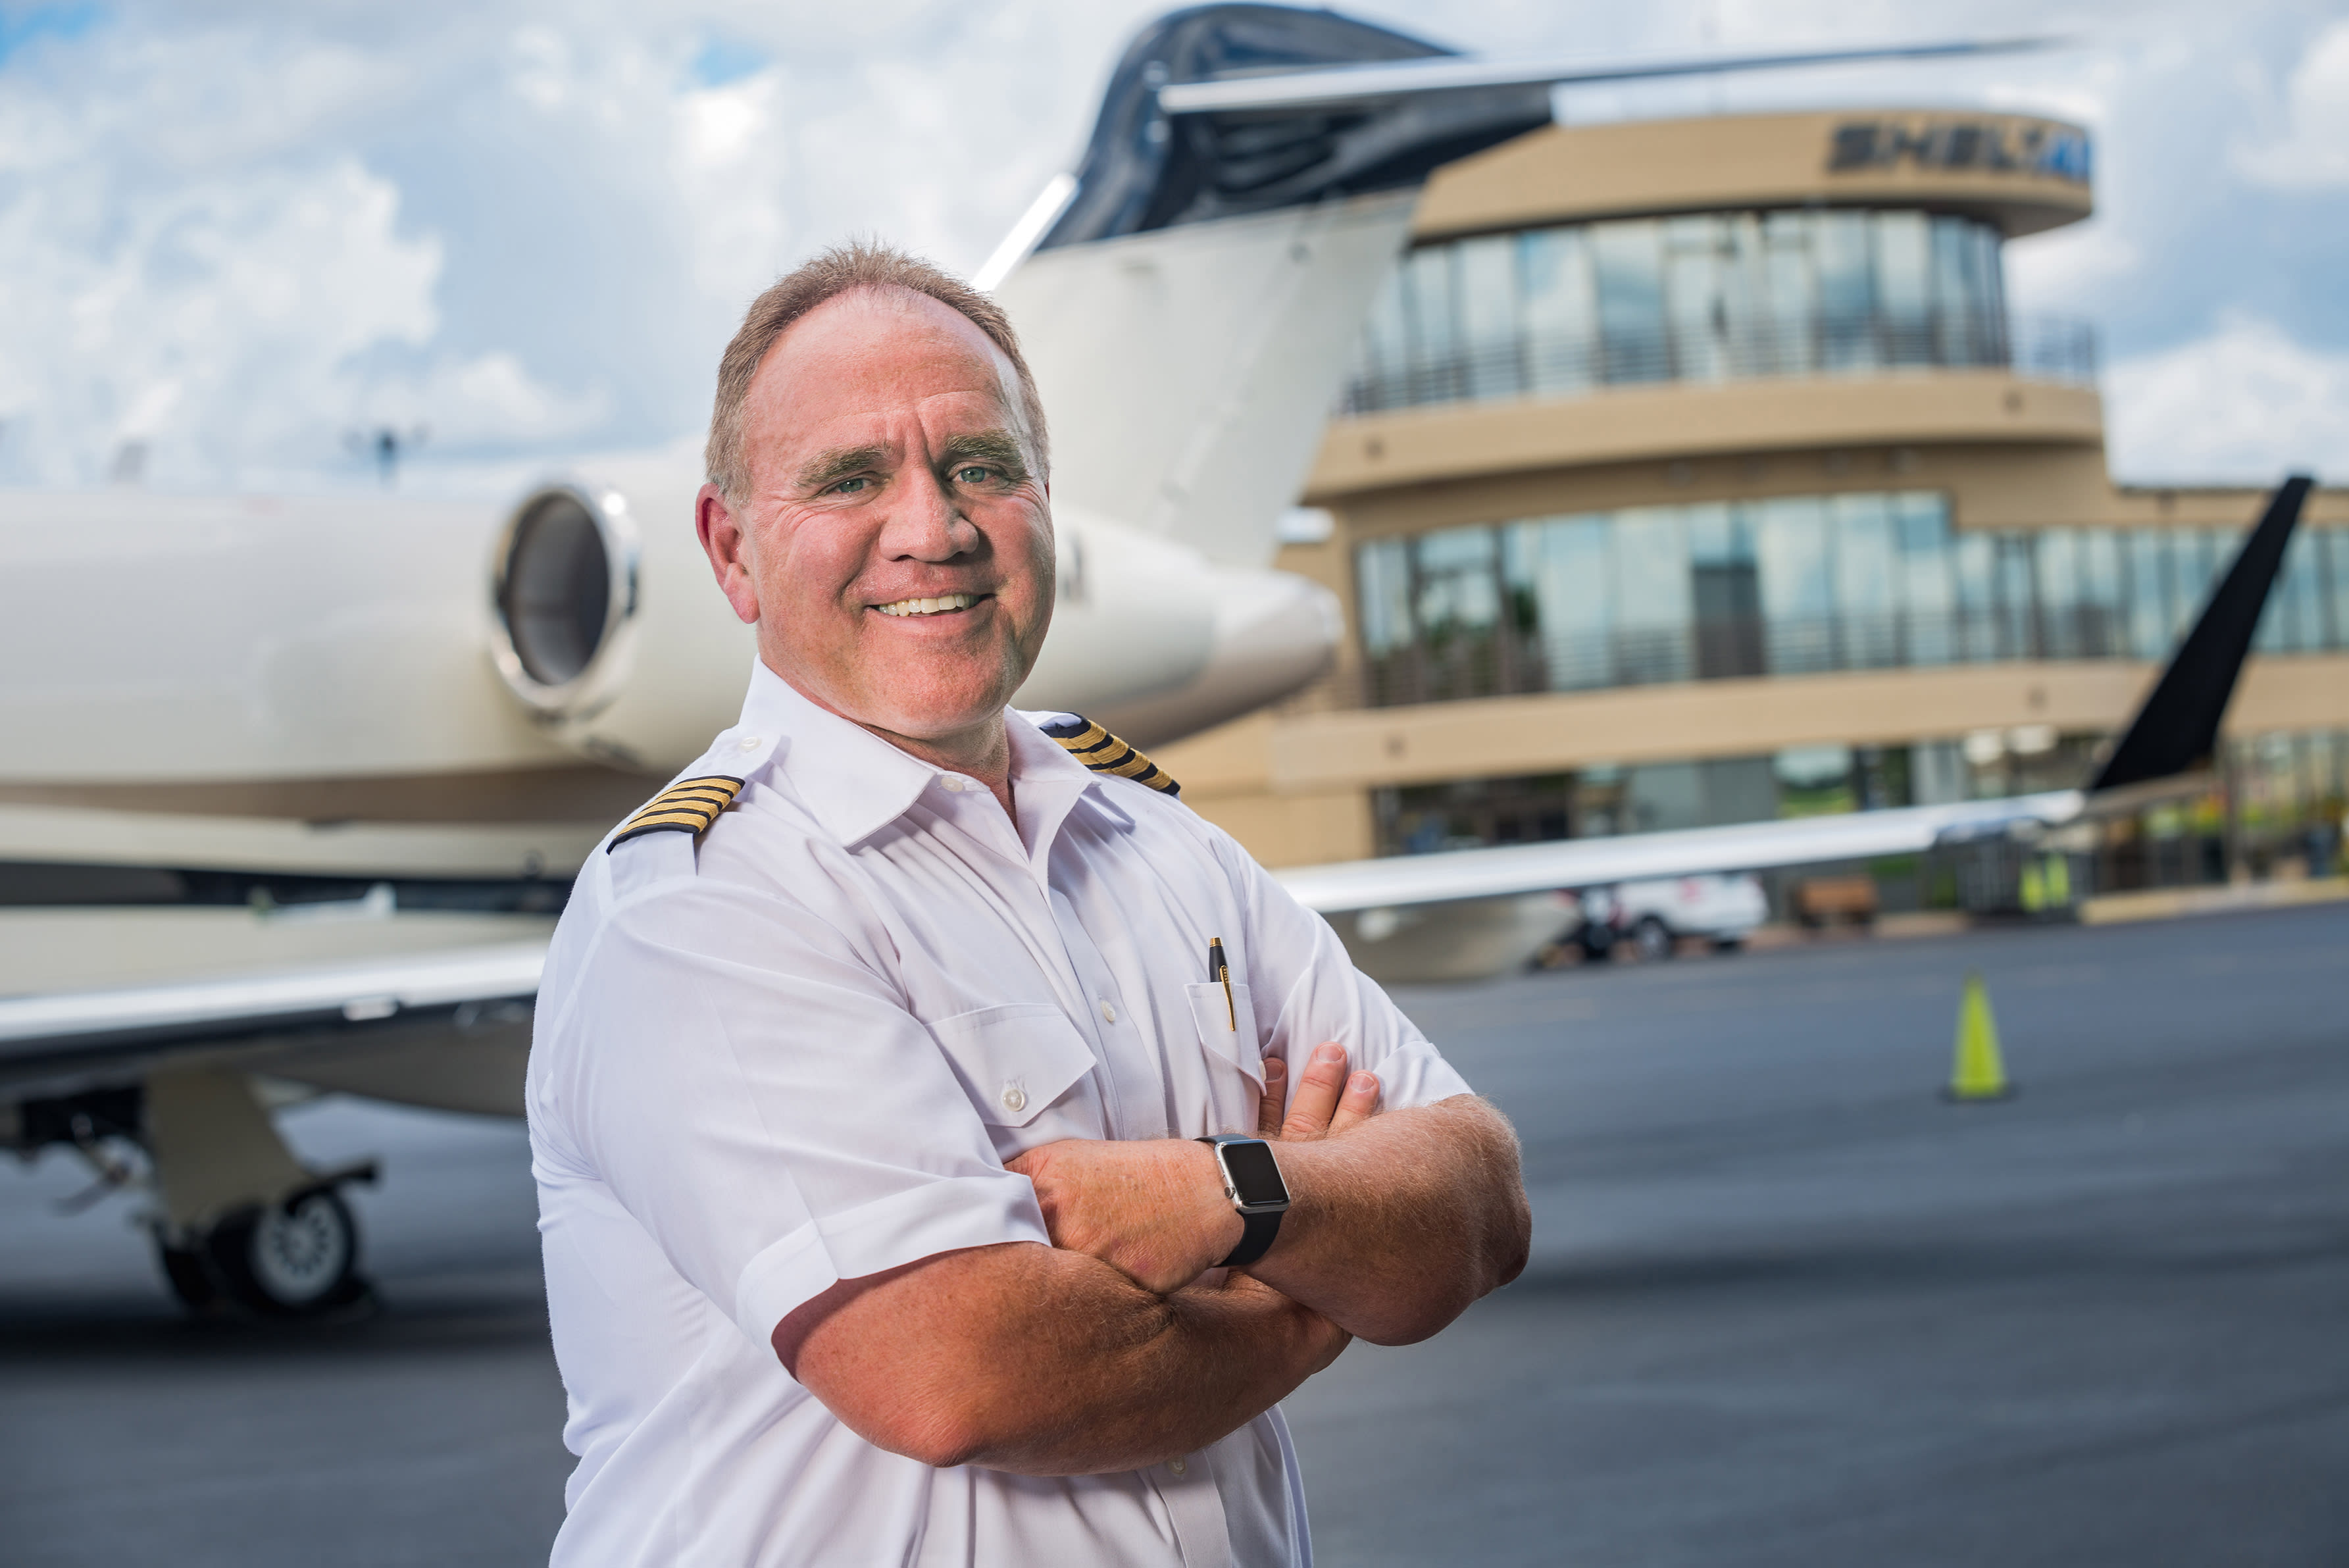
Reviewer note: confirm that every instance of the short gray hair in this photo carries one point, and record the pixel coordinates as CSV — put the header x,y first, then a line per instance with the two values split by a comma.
x,y
860,264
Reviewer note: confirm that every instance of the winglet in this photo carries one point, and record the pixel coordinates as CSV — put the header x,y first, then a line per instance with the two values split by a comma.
x,y
2177,729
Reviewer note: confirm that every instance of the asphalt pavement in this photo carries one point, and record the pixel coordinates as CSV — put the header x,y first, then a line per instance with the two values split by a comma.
x,y
1786,1305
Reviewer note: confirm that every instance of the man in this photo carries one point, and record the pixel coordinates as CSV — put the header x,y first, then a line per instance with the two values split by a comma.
x,y
866,1091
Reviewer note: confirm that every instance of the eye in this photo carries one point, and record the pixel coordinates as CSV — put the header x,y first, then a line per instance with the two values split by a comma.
x,y
851,487
973,473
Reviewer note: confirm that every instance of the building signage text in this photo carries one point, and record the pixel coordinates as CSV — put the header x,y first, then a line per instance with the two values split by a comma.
x,y
1994,147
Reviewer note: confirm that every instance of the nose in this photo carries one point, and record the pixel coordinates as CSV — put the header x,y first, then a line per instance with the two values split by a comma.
x,y
925,524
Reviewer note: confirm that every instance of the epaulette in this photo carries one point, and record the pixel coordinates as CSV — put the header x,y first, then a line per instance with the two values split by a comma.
x,y
688,805
1105,753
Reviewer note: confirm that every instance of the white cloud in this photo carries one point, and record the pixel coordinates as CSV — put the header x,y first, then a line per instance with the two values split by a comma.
x,y
2245,404
238,231
2314,149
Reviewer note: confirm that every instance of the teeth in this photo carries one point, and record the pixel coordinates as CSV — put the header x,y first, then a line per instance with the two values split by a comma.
x,y
938,606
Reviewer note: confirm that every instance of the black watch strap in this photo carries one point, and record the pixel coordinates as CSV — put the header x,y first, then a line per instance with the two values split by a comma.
x,y
1256,1232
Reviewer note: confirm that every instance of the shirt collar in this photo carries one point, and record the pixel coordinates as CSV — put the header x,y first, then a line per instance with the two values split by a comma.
x,y
855,783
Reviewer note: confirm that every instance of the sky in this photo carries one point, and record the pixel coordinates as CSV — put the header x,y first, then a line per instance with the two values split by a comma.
x,y
235,236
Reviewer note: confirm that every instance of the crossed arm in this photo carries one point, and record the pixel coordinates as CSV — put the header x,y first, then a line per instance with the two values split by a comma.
x,y
1117,1347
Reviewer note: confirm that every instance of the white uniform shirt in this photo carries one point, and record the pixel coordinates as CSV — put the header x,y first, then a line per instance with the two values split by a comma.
x,y
800,1053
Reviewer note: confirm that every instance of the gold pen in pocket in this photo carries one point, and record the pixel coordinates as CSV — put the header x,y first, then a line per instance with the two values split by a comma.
x,y
1218,969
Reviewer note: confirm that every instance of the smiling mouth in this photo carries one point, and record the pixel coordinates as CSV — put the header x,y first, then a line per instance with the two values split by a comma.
x,y
944,604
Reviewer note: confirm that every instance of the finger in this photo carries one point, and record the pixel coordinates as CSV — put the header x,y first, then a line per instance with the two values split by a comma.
x,y
1358,1103
1275,1101
1318,1088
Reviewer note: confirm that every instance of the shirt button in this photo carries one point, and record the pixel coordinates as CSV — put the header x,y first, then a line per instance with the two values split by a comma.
x,y
1178,1466
1015,1098
954,785
1109,1013
748,744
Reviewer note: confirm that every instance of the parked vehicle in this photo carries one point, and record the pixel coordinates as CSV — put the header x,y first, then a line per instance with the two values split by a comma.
x,y
1653,915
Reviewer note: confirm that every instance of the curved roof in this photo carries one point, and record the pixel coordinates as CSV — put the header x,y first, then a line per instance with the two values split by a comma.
x,y
2019,171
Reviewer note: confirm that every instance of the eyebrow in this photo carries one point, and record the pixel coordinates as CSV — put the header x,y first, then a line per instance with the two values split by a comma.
x,y
842,462
1000,448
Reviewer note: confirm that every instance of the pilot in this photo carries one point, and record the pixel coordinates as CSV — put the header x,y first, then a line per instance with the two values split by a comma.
x,y
951,1148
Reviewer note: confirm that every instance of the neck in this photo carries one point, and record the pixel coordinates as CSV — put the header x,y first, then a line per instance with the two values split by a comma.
x,y
983,751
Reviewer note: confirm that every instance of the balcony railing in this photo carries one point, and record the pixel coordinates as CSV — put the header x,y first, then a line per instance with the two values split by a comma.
x,y
1556,365
1492,662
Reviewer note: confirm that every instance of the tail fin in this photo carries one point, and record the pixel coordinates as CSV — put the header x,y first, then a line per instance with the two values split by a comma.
x,y
2177,730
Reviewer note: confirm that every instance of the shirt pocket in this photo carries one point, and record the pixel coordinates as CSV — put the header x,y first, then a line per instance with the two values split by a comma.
x,y
1017,1062
1227,1028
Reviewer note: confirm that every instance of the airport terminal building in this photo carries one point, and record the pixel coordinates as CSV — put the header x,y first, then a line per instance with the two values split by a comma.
x,y
1695,472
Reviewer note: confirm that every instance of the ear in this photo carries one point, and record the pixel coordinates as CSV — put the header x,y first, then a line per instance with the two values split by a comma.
x,y
727,542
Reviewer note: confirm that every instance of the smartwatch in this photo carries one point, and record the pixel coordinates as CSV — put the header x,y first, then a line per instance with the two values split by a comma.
x,y
1252,1181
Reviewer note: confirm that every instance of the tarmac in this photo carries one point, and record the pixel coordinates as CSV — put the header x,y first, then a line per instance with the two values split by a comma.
x,y
1787,1306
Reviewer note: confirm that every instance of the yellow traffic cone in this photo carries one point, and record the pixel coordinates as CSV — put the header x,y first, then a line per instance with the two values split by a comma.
x,y
1980,1072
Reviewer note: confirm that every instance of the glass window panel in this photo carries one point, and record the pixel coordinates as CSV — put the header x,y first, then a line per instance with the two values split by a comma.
x,y
2058,580
1697,318
1572,580
1627,263
1561,309
1926,594
1973,563
1382,572
1847,290
1432,322
2337,560
1791,542
2189,552
1738,300
2102,630
1458,591
1386,350
1867,604
1652,595
1904,288
2014,598
1790,292
2296,607
2149,592
1486,286
1719,536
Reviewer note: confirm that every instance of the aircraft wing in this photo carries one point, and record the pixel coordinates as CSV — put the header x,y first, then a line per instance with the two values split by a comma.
x,y
1346,86
72,1037
1513,869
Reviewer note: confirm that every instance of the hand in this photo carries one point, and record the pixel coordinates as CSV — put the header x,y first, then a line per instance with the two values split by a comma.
x,y
1152,1209
1328,1101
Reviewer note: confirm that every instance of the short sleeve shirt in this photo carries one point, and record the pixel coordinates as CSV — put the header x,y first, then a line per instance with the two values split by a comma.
x,y
799,1049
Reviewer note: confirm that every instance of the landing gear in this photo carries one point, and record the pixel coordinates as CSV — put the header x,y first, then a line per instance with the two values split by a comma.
x,y
243,1224
297,1257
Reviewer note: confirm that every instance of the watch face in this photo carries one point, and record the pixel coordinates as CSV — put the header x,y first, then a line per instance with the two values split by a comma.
x,y
1255,1176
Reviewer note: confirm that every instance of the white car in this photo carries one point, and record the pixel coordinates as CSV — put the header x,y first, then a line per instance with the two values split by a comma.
x,y
1655,915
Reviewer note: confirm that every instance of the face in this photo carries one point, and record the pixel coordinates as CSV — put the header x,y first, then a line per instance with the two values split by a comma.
x,y
896,547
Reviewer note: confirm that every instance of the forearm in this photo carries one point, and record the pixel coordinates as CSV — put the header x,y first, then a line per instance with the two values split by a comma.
x,y
1047,1362
1402,1221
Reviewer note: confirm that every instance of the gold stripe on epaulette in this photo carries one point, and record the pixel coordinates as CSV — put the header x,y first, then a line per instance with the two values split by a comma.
x,y
1105,753
688,805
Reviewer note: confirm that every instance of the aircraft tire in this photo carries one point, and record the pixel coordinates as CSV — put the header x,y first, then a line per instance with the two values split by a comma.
x,y
1653,938
191,1280
295,1258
